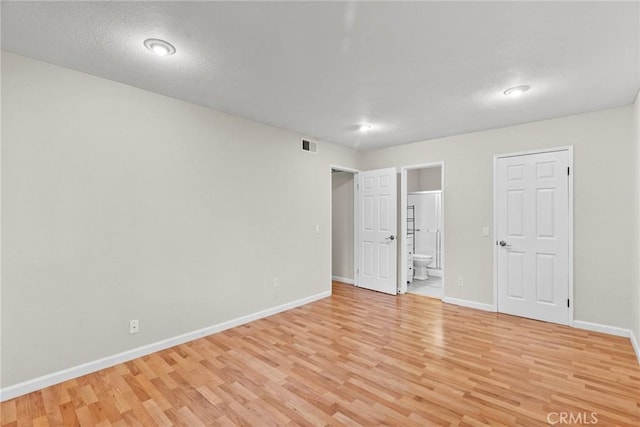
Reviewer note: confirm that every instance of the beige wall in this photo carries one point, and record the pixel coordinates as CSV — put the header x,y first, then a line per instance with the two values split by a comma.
x,y
342,225
425,179
431,179
118,204
636,254
604,201
413,180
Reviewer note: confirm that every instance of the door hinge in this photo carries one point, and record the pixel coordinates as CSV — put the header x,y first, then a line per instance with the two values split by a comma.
x,y
568,170
568,303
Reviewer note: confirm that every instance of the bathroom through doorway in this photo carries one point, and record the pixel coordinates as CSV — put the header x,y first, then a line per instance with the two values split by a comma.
x,y
422,223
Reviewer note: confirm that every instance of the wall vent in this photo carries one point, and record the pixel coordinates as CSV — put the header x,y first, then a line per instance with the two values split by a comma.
x,y
310,146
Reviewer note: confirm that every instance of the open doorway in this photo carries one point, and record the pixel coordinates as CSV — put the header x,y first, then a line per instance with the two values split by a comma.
x,y
422,223
342,224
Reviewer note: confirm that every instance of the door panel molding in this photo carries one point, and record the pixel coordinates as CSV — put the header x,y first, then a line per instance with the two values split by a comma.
x,y
377,231
542,227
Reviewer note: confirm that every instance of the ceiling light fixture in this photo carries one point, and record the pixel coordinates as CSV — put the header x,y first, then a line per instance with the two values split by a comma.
x,y
364,127
516,90
160,47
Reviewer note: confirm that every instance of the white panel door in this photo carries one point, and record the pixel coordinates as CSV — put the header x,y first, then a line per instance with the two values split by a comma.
x,y
377,237
532,221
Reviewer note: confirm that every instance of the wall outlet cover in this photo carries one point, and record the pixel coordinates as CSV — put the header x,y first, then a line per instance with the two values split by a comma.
x,y
134,327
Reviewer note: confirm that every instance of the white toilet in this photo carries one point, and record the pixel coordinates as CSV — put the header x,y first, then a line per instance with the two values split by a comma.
x,y
420,264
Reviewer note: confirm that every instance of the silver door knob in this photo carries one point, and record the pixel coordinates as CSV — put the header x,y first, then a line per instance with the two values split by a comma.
x,y
504,244
392,237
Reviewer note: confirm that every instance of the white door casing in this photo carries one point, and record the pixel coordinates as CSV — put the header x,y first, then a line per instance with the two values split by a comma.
x,y
377,231
532,232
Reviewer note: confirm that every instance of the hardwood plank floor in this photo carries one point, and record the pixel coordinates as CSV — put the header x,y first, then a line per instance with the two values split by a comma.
x,y
359,357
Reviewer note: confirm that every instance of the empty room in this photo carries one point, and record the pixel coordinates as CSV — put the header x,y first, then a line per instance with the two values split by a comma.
x,y
320,213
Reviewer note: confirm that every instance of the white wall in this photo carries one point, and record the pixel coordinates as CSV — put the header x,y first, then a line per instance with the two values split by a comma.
x,y
122,204
342,225
604,205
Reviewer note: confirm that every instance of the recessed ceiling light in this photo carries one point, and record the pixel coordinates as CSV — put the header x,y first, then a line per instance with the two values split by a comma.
x,y
365,127
516,90
160,47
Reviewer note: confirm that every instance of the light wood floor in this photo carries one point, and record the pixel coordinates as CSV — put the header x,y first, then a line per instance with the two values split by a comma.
x,y
359,357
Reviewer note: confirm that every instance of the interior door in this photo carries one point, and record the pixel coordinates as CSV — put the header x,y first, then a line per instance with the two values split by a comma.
x,y
532,220
377,231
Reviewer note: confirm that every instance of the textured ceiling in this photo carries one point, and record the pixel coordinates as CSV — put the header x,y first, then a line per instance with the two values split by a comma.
x,y
416,70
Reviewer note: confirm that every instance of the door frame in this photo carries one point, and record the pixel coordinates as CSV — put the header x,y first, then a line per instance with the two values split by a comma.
x,y
402,200
569,150
355,217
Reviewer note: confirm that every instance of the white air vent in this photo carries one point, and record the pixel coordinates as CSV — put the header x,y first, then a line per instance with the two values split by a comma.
x,y
310,146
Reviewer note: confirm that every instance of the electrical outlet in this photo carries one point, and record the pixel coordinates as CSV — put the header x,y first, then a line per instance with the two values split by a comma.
x,y
134,327
276,282
317,229
485,231
460,281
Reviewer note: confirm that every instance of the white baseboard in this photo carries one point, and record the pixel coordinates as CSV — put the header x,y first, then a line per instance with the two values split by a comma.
x,y
342,279
434,272
636,346
605,329
106,362
469,304
611,330
596,327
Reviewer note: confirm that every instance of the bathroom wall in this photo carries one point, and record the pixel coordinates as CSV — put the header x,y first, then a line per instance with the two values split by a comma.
x,y
413,180
342,226
425,179
122,204
431,179
604,205
427,224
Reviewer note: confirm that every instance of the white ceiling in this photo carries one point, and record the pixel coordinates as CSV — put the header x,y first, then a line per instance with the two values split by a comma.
x,y
416,70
